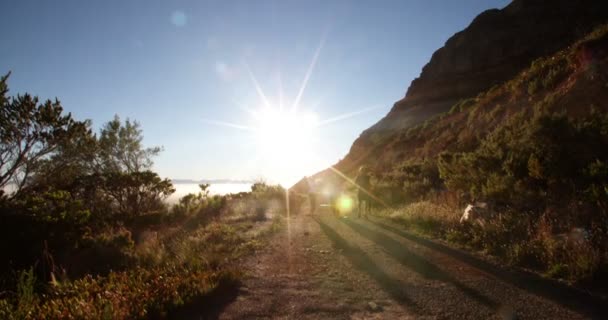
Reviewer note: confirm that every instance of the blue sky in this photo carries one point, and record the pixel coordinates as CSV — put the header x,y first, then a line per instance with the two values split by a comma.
x,y
182,67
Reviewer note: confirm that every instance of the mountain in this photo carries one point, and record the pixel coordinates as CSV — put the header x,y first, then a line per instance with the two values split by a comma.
x,y
512,112
496,47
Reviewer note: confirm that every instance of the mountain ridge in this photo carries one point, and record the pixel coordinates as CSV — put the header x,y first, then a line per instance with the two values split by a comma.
x,y
495,47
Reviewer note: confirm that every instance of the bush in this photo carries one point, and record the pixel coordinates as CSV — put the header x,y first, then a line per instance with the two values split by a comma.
x,y
189,265
425,217
135,294
463,105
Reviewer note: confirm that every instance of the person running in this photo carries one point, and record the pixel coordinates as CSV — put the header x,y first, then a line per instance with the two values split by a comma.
x,y
363,190
312,196
333,203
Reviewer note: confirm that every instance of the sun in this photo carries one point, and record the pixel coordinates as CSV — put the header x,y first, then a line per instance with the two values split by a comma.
x,y
286,141
281,134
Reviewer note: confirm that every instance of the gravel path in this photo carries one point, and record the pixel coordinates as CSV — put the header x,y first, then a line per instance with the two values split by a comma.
x,y
325,267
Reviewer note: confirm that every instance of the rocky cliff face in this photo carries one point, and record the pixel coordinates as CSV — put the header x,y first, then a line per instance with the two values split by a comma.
x,y
496,46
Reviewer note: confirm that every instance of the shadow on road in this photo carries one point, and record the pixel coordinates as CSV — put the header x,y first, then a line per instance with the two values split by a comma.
x,y
417,263
569,297
361,261
208,306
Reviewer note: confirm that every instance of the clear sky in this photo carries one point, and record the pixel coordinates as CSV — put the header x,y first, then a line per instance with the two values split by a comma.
x,y
185,70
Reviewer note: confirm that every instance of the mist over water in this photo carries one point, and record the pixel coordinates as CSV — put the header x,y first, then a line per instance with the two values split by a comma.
x,y
182,189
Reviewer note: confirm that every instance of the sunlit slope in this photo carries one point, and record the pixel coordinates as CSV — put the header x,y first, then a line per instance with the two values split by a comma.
x,y
573,81
496,47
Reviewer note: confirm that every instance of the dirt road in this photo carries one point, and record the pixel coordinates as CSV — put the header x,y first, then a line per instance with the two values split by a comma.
x,y
325,267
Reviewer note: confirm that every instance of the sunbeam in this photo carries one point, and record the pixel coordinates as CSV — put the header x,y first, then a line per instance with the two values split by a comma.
x,y
253,113
257,86
345,116
351,181
228,124
286,139
311,67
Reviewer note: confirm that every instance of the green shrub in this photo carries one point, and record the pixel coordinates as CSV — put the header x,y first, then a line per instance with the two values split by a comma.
x,y
425,217
25,292
533,86
193,265
559,270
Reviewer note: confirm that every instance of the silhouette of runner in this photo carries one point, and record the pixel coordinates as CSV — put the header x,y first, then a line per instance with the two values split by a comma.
x,y
312,196
363,189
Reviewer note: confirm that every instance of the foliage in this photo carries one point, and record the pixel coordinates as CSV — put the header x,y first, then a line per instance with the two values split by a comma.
x,y
74,191
25,292
547,160
169,270
121,147
534,148
198,208
134,294
136,193
192,202
262,190
68,167
424,216
29,132
462,105
418,179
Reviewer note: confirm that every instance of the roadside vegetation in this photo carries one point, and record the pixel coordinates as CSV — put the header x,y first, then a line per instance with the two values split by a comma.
x,y
84,229
535,149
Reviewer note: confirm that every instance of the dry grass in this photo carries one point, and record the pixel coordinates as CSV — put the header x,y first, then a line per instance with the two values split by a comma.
x,y
424,216
169,266
516,238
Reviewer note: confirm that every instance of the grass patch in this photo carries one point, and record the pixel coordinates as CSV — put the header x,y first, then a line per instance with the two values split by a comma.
x,y
424,217
169,271
516,239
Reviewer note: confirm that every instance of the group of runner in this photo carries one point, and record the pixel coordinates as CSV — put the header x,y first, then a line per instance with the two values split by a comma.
x,y
362,184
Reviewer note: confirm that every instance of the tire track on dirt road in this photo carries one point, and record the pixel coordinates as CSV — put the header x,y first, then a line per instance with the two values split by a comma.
x,y
325,267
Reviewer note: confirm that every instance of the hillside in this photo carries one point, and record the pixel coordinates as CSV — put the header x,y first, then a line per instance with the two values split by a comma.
x,y
496,47
523,128
573,81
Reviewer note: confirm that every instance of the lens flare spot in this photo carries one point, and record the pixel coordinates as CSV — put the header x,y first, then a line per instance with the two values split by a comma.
x,y
178,18
345,204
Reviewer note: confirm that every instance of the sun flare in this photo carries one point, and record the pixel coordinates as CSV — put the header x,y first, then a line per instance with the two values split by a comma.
x,y
281,134
287,139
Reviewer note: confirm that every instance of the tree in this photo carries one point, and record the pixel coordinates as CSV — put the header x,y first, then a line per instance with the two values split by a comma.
x,y
125,169
29,133
121,147
137,193
418,178
66,167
